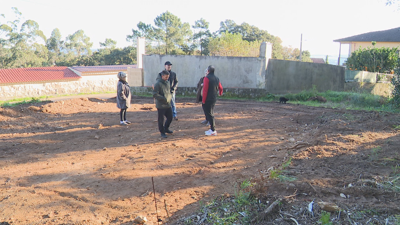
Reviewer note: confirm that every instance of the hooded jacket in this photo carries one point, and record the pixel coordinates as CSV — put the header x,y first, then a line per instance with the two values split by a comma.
x,y
123,95
162,94
173,80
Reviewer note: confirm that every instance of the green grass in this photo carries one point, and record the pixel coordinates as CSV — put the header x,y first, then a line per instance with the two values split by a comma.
x,y
18,101
336,100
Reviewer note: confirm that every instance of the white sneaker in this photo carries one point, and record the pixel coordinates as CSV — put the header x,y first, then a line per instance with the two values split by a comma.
x,y
123,123
211,133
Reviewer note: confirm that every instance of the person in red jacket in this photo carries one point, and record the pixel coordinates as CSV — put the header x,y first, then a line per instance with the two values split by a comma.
x,y
211,89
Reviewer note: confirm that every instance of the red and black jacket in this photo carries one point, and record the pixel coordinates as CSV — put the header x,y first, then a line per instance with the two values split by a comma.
x,y
211,88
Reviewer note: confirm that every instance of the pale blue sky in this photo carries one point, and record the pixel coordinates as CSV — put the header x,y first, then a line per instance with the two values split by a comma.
x,y
320,21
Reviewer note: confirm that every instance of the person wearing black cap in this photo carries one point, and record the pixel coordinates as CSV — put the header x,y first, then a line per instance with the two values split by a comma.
x,y
173,81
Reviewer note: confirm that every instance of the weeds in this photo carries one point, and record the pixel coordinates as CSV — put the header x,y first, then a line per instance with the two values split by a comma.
x,y
241,208
325,218
276,174
374,153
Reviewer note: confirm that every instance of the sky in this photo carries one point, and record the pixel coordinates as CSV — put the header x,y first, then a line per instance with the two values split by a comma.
x,y
318,21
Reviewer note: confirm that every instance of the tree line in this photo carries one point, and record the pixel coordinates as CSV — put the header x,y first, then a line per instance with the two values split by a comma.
x,y
23,44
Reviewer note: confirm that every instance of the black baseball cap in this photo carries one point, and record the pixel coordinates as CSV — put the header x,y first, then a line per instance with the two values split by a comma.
x,y
168,63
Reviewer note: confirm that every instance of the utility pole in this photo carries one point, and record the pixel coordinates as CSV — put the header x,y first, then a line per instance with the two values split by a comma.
x,y
301,46
340,49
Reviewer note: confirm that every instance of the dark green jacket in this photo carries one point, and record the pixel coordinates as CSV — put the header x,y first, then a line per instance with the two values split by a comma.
x,y
162,94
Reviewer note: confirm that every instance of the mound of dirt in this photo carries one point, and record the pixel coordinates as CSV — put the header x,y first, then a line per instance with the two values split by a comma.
x,y
70,162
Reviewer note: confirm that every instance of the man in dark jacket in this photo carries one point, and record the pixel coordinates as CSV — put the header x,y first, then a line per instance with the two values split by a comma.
x,y
211,88
162,94
173,81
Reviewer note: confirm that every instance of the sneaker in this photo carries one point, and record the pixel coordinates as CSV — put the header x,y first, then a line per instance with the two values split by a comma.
x,y
211,133
163,135
168,131
204,122
127,122
123,123
176,118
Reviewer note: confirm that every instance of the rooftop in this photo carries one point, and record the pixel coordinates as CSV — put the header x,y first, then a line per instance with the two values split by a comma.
x,y
391,35
84,69
35,74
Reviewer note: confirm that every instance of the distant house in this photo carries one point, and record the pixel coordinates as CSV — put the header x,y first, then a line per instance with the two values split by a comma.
x,y
318,60
57,74
385,38
101,70
37,75
50,81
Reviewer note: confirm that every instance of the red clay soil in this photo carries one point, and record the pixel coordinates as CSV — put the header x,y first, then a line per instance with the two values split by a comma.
x,y
70,162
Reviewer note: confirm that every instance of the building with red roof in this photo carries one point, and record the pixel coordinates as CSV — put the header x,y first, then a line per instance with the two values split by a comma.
x,y
50,81
37,75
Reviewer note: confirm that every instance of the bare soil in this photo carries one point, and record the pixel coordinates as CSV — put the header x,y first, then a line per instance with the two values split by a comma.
x,y
70,162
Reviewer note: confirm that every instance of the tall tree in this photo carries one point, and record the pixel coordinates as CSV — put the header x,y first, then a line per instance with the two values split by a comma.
x,y
79,44
252,33
233,45
171,32
228,26
55,46
144,30
21,43
202,35
108,43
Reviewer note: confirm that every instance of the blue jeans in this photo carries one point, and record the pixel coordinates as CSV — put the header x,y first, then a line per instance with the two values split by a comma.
x,y
173,105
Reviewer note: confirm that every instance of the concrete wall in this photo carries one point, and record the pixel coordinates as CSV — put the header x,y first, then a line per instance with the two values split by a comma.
x,y
135,77
285,76
87,84
382,89
360,76
369,82
191,92
242,72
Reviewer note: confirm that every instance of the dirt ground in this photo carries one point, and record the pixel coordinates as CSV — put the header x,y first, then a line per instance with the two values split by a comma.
x,y
70,162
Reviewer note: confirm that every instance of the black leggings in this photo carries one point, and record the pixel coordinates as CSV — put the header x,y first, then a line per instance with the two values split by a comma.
x,y
122,114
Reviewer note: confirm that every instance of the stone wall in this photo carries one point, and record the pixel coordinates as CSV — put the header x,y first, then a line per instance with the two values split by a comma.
x,y
382,89
87,84
191,92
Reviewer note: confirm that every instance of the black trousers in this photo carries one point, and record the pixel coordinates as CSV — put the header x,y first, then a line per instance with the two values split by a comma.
x,y
168,114
208,109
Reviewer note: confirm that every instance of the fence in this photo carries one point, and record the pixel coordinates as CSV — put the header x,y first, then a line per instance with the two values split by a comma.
x,y
368,82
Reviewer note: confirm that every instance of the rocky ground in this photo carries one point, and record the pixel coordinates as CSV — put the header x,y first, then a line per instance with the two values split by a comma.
x,y
70,162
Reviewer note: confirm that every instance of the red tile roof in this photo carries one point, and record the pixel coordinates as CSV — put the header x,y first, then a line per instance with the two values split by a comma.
x,y
88,69
36,74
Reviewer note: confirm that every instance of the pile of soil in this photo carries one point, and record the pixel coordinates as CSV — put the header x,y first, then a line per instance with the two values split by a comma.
x,y
70,162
